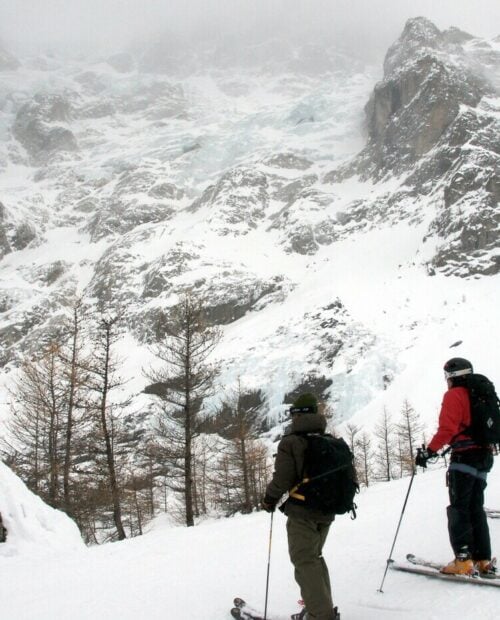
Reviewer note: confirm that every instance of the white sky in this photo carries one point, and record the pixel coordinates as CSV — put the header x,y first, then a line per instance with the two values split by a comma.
x,y
110,24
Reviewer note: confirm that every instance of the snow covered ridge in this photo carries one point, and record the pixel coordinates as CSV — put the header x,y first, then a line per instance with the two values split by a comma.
x,y
33,528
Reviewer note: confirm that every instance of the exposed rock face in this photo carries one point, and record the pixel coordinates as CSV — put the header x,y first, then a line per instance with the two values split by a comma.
x,y
229,291
431,123
23,235
419,98
238,201
147,291
38,126
303,222
288,160
4,242
138,198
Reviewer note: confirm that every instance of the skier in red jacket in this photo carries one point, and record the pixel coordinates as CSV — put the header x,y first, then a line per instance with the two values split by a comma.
x,y
466,477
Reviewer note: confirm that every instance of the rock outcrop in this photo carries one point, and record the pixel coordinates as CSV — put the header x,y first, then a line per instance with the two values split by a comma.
x,y
237,202
41,125
433,123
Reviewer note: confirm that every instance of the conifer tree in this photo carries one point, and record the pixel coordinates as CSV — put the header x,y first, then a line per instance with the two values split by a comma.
x,y
103,382
184,379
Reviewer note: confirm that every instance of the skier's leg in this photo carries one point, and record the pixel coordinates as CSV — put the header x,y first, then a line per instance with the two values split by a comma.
x,y
304,544
481,549
323,533
460,486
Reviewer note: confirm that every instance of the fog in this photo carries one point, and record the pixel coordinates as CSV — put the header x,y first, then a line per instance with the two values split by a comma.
x,y
30,26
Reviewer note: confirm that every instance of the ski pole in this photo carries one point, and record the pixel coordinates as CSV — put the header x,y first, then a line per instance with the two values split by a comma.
x,y
397,530
268,564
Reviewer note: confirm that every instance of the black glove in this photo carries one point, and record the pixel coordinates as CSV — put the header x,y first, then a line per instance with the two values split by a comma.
x,y
268,503
423,455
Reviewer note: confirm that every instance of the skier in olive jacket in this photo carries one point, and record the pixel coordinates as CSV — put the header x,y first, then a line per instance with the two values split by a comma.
x,y
307,529
469,465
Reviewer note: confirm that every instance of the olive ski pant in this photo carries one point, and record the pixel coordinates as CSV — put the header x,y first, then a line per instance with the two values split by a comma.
x,y
305,544
467,522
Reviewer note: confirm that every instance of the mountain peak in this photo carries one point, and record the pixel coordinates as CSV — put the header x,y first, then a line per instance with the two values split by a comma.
x,y
418,36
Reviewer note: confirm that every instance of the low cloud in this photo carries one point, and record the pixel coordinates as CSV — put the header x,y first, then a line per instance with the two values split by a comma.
x,y
106,25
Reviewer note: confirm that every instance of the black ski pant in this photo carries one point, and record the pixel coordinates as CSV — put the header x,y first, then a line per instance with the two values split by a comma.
x,y
467,521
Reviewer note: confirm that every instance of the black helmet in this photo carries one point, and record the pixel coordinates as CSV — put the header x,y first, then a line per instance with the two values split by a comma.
x,y
457,367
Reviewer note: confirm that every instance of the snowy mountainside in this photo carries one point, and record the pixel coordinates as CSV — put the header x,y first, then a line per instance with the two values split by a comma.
x,y
331,258
195,572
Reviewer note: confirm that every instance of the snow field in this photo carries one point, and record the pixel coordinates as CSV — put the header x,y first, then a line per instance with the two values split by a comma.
x,y
194,573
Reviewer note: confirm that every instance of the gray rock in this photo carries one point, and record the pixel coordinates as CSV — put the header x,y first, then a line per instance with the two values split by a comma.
x,y
430,119
237,202
290,192
428,79
159,277
304,223
131,204
34,126
399,133
4,242
288,161
24,234
418,34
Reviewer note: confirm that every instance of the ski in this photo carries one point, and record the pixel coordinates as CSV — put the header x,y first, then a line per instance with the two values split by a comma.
x,y
434,573
413,559
243,611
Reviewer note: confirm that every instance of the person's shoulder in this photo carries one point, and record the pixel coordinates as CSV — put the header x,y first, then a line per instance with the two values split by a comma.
x,y
458,391
292,439
456,394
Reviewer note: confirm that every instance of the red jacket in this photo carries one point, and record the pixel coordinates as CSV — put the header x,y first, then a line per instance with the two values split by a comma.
x,y
454,418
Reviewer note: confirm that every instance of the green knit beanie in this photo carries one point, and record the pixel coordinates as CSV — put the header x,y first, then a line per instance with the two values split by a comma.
x,y
305,403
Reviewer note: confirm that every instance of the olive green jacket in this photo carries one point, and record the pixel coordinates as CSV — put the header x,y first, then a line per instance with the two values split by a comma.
x,y
289,465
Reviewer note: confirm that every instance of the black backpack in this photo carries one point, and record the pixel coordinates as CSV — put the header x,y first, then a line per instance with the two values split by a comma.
x,y
484,428
329,480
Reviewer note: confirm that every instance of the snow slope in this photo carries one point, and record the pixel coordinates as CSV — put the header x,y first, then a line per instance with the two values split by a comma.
x,y
193,573
33,528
